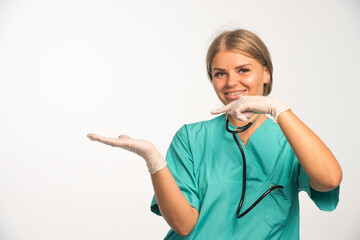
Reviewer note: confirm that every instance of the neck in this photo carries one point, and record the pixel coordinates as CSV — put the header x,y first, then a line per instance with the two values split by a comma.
x,y
244,136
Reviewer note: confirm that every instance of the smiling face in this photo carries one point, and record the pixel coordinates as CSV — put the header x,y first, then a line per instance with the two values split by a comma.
x,y
235,75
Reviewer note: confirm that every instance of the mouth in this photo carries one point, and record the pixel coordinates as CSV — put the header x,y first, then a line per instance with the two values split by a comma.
x,y
233,95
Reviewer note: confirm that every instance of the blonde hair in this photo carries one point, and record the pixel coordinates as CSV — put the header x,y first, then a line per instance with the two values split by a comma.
x,y
246,43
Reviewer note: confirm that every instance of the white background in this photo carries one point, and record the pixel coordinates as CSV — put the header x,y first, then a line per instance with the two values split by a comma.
x,y
138,67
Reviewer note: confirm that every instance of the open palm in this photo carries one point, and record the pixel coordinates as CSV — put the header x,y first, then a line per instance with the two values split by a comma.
x,y
143,148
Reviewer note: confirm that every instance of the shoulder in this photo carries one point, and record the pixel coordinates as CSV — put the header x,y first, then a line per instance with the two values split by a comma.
x,y
203,127
192,137
198,133
271,132
272,127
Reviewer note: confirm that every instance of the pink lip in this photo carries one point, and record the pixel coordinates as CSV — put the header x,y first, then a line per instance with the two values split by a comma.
x,y
235,96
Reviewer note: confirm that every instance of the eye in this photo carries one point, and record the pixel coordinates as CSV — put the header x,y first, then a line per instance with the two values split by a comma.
x,y
219,74
244,70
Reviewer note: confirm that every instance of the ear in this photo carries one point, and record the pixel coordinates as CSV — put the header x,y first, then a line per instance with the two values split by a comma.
x,y
266,75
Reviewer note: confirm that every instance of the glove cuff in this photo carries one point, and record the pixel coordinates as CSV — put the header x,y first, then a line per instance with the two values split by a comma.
x,y
276,108
155,163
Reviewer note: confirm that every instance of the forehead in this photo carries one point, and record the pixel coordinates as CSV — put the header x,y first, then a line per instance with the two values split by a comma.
x,y
228,59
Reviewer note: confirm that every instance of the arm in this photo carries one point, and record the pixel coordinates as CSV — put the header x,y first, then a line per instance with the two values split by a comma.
x,y
173,205
315,158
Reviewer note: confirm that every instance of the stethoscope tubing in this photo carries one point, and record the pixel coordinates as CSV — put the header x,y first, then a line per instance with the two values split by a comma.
x,y
240,130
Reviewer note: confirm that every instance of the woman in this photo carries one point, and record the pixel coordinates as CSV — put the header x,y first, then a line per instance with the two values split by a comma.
x,y
213,186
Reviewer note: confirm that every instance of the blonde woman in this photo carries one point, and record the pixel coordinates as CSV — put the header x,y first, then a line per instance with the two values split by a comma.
x,y
238,175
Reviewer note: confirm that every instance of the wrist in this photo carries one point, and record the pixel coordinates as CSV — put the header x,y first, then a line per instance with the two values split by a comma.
x,y
276,107
155,163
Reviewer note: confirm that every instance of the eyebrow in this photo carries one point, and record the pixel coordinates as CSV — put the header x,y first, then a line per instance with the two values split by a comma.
x,y
240,66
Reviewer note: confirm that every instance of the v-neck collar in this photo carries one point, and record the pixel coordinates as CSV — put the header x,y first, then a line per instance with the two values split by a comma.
x,y
262,125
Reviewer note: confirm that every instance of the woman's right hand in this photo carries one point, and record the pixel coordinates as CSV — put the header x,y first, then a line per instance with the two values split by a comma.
x,y
143,148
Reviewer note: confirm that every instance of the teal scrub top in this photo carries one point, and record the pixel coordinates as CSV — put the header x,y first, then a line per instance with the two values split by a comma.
x,y
207,166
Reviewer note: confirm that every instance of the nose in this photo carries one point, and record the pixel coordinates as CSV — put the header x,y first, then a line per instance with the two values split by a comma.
x,y
233,79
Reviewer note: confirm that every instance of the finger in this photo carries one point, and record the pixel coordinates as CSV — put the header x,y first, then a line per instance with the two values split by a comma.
x,y
127,142
106,140
137,146
93,136
247,115
222,109
255,104
243,116
124,137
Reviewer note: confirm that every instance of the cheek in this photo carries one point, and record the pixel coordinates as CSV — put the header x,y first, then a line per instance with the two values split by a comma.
x,y
250,81
254,81
255,85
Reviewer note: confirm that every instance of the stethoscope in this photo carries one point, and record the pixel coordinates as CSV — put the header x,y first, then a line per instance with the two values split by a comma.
x,y
240,130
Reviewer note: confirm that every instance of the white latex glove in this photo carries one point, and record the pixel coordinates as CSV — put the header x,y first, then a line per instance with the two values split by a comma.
x,y
246,106
143,148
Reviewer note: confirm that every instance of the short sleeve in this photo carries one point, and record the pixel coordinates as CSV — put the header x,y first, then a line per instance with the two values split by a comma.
x,y
326,201
180,163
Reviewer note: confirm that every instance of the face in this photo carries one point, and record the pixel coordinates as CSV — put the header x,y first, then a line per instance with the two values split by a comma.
x,y
235,75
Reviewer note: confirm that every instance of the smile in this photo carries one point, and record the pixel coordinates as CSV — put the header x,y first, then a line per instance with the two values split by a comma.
x,y
235,95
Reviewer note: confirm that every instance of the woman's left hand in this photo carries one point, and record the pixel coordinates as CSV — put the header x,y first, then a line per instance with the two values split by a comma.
x,y
246,106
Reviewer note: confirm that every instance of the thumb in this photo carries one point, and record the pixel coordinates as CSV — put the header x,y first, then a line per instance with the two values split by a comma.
x,y
221,110
124,137
138,146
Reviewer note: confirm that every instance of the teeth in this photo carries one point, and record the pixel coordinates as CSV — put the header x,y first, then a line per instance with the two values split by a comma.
x,y
234,93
